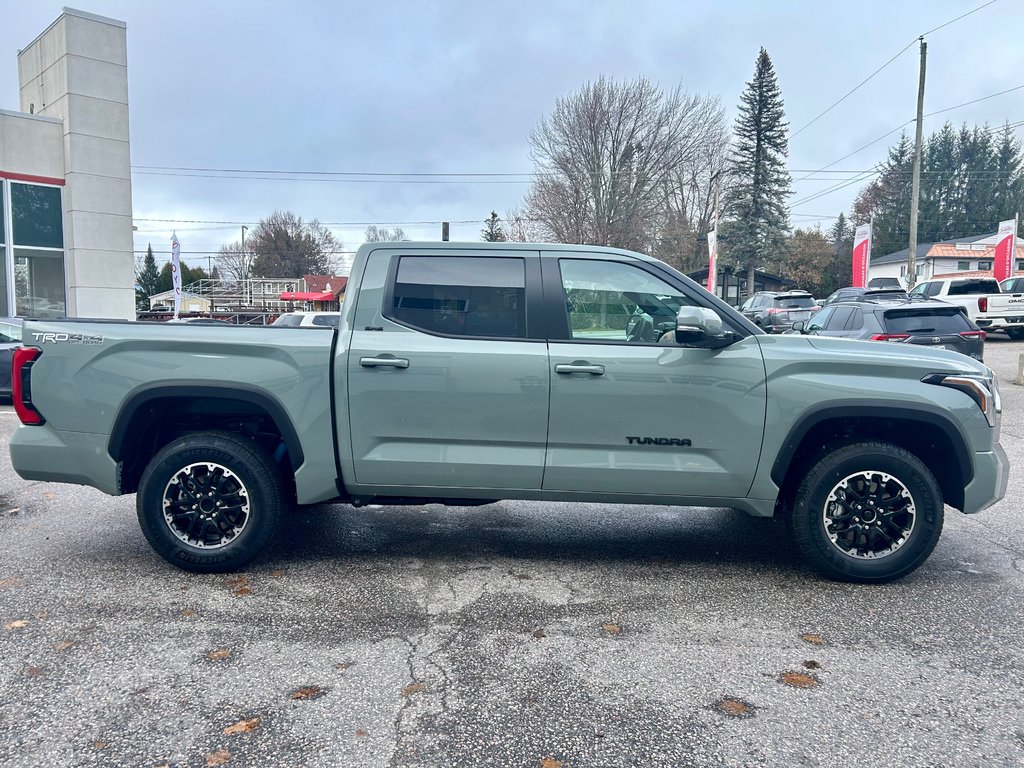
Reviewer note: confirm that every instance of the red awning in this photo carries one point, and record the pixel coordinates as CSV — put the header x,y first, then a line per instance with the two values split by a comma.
x,y
301,296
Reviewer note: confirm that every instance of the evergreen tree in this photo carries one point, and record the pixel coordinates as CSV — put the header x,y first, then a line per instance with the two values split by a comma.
x,y
1008,186
147,280
755,205
188,275
838,269
887,200
493,231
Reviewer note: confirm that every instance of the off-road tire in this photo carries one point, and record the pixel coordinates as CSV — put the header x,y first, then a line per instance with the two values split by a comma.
x,y
807,513
254,471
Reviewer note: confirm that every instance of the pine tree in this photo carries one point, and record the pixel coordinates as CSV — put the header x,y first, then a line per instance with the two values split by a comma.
x,y
755,206
838,268
493,231
147,280
1008,187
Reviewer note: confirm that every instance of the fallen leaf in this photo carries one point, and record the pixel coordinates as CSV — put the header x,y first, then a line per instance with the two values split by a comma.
x,y
188,613
798,679
734,707
550,762
87,628
239,586
219,757
100,744
814,638
16,624
41,615
360,733
812,664
64,645
538,634
343,665
218,654
308,692
523,576
611,628
11,582
242,726
50,495
277,573
412,688
34,671
242,591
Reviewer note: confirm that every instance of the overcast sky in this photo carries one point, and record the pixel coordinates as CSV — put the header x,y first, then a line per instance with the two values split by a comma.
x,y
455,87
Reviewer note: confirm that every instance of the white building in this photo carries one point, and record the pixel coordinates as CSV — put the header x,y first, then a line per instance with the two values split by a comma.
x,y
963,254
65,175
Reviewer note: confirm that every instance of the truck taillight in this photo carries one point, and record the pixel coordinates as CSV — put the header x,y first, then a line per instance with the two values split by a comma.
x,y
21,385
890,337
983,303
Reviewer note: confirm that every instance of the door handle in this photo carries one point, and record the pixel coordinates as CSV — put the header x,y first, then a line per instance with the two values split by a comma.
x,y
594,370
383,362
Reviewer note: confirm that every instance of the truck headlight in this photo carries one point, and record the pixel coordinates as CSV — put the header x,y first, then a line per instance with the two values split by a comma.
x,y
984,390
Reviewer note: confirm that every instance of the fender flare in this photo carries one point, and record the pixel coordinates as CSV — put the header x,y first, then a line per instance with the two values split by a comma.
x,y
184,389
868,409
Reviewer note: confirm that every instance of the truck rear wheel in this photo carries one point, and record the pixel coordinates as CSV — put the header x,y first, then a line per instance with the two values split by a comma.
x,y
868,512
1015,333
209,501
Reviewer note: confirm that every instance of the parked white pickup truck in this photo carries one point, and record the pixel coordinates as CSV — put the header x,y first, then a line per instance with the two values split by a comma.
x,y
985,303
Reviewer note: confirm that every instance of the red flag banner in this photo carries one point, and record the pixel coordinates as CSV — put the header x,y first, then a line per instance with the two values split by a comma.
x,y
861,256
712,260
1002,264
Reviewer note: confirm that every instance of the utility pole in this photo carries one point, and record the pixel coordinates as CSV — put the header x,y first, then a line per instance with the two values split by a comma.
x,y
915,193
444,231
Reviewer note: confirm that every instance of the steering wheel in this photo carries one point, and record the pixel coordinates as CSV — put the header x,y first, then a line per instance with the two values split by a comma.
x,y
640,328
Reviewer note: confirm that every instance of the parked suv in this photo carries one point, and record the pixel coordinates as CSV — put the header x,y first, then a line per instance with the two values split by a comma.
x,y
853,294
776,312
306,319
928,323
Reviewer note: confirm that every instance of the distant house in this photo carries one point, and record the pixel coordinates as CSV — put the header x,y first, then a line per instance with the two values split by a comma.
x,y
190,302
962,254
318,293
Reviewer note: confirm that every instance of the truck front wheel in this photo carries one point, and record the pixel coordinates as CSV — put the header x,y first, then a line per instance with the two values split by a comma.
x,y
868,512
209,501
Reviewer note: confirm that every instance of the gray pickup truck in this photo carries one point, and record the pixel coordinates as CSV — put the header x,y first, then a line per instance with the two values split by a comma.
x,y
463,374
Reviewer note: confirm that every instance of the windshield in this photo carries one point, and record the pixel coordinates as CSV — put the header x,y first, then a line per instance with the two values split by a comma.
x,y
794,302
291,321
923,321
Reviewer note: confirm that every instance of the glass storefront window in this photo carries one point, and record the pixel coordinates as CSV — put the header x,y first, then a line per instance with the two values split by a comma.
x,y
39,283
36,216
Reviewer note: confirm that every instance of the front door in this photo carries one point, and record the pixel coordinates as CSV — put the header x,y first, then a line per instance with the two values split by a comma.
x,y
631,411
447,374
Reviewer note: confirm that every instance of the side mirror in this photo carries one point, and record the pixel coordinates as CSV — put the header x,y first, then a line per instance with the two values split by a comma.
x,y
799,326
701,327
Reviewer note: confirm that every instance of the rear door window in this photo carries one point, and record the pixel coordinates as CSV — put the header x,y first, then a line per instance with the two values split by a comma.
x,y
327,320
937,322
477,297
839,319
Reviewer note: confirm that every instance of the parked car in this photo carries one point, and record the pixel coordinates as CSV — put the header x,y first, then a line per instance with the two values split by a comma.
x,y
10,339
308,319
920,323
775,312
852,294
981,298
1012,285
885,282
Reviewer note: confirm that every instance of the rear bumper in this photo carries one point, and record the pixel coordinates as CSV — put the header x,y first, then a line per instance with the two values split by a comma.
x,y
999,323
991,473
80,458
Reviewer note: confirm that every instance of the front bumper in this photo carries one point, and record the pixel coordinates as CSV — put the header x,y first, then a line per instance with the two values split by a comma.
x,y
991,473
80,458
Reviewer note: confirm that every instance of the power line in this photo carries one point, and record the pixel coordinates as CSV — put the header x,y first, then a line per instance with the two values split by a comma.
x,y
975,101
345,180
890,61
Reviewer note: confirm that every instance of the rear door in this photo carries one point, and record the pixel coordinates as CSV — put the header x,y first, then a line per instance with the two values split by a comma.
x,y
634,416
448,371
838,322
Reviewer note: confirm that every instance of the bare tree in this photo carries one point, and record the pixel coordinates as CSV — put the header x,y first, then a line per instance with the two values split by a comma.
x,y
375,234
235,262
286,246
606,158
519,228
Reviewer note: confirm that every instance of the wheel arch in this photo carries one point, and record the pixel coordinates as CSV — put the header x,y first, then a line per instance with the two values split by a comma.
x,y
128,438
926,432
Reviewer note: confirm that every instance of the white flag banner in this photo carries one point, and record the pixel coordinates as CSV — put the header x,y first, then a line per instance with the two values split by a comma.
x,y
176,272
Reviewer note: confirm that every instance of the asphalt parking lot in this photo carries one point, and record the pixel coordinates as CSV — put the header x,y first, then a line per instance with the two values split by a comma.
x,y
516,634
